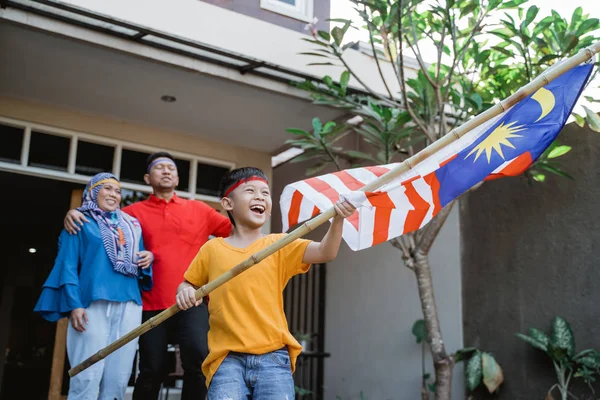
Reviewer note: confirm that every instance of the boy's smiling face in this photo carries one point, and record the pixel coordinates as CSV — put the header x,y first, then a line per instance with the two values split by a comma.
x,y
250,204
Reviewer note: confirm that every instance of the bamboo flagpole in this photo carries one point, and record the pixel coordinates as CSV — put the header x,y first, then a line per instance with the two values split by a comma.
x,y
542,80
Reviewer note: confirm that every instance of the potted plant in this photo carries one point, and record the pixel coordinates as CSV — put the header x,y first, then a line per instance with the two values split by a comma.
x,y
569,365
304,339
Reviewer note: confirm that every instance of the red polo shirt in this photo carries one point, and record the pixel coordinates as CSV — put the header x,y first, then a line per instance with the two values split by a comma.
x,y
174,232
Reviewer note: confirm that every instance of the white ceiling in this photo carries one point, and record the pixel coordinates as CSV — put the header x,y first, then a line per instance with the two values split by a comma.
x,y
43,67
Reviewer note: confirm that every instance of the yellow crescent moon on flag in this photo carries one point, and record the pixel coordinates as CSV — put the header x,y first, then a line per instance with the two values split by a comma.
x,y
546,100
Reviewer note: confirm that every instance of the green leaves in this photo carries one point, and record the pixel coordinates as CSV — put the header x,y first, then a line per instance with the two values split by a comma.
x,y
344,79
363,156
473,73
317,127
557,171
540,337
512,4
300,132
562,341
338,33
536,338
590,359
316,145
559,151
492,373
463,354
300,391
532,341
560,347
547,163
474,371
579,120
419,330
315,169
532,12
481,367
324,35
592,119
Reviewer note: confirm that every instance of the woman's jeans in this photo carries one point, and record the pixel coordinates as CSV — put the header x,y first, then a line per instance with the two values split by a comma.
x,y
244,376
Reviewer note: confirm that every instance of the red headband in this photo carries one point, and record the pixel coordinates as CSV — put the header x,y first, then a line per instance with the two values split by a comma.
x,y
238,183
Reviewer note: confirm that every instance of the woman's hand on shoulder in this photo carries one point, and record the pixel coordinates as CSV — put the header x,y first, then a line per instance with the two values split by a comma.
x,y
145,258
74,220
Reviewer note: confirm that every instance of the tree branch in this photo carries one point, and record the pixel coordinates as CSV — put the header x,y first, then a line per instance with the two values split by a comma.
x,y
440,53
438,93
421,63
432,229
367,88
411,112
396,69
459,55
331,156
406,255
377,58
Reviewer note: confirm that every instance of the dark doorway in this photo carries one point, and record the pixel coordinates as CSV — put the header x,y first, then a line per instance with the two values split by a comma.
x,y
32,212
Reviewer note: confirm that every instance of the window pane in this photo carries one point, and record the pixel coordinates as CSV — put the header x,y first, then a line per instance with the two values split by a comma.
x,y
183,169
209,178
93,158
292,2
131,196
12,142
133,166
49,151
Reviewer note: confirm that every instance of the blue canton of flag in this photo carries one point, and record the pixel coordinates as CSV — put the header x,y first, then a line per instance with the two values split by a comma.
x,y
516,138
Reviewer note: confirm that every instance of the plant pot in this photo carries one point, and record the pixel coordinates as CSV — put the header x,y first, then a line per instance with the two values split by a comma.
x,y
305,343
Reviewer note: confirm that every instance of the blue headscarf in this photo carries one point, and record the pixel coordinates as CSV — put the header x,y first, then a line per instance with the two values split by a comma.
x,y
117,229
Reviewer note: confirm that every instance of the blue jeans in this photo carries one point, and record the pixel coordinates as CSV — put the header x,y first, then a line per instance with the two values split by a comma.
x,y
244,376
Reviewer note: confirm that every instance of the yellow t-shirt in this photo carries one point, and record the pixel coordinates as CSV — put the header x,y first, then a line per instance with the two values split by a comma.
x,y
246,313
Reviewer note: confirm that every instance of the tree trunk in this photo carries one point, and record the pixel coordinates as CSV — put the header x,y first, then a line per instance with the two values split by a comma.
x,y
443,364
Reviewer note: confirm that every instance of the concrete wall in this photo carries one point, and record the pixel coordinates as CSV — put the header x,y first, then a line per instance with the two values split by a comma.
x,y
218,27
371,305
529,254
253,9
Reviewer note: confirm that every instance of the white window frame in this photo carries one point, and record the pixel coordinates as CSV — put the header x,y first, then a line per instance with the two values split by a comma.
x,y
119,145
303,10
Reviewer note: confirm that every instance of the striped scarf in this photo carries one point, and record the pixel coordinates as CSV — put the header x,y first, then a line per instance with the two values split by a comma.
x,y
117,229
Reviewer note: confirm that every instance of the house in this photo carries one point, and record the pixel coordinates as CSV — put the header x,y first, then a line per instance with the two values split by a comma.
x,y
88,86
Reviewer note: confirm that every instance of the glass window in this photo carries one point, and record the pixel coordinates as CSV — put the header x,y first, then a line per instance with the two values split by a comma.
x,y
297,9
133,166
183,169
93,158
49,151
209,178
12,142
131,196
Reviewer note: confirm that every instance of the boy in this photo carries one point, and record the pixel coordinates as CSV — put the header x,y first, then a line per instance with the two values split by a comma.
x,y
252,354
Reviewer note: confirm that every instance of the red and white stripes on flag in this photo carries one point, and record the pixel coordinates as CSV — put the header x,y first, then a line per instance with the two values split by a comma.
x,y
405,204
372,223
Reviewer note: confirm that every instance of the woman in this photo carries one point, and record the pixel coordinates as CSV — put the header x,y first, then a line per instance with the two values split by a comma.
x,y
96,282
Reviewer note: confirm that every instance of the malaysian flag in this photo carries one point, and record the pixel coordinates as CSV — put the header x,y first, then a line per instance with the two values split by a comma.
x,y
506,145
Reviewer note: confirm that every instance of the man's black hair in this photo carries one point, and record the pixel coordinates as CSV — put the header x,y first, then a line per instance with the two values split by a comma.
x,y
154,156
234,176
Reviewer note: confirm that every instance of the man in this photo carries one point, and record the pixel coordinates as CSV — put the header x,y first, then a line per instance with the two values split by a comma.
x,y
173,229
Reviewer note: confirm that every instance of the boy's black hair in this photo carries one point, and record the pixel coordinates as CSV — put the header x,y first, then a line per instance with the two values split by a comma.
x,y
234,176
154,156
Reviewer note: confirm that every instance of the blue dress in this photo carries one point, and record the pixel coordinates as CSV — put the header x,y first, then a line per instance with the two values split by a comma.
x,y
83,273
